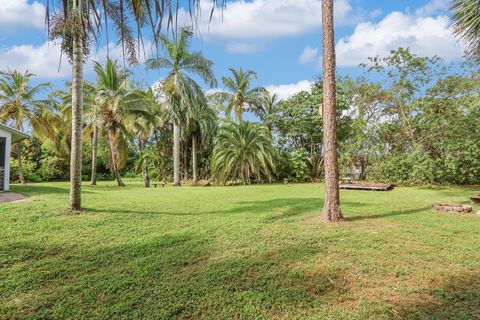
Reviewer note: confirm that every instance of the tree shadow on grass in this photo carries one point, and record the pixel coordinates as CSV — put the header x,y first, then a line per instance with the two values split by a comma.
x,y
388,214
41,189
272,210
166,277
457,297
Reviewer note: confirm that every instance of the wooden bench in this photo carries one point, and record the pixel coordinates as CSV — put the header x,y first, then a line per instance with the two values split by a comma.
x,y
162,183
346,180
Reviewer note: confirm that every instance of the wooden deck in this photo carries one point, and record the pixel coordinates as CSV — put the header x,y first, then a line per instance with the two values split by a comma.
x,y
368,187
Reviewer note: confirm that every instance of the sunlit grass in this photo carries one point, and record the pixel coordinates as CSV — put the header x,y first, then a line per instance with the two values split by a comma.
x,y
256,252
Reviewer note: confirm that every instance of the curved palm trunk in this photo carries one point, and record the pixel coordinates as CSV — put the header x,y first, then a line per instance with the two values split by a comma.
x,y
331,210
176,155
93,180
113,155
77,115
194,158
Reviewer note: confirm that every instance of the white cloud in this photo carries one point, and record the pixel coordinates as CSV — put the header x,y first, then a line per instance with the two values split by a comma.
x,y
308,55
246,25
426,36
284,91
44,60
22,13
432,7
41,60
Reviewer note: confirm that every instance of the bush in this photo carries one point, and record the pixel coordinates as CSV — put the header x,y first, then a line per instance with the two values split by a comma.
x,y
299,165
28,172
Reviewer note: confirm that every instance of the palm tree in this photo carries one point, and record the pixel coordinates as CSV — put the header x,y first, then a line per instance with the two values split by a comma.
x,y
331,210
144,129
19,106
201,124
79,20
240,96
243,151
182,91
122,108
466,23
266,108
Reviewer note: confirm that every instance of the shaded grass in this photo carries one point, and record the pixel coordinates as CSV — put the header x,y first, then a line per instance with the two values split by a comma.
x,y
256,252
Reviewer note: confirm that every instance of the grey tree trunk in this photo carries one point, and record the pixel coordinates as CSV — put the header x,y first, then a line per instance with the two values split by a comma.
x,y
194,158
185,160
77,116
146,178
331,210
176,155
93,180
21,176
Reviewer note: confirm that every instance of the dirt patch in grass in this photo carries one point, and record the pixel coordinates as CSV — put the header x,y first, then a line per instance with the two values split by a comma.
x,y
12,197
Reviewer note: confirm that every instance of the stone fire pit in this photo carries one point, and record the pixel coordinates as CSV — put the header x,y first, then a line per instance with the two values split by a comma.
x,y
460,208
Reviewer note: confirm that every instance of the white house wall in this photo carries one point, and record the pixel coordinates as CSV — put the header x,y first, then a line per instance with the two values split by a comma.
x,y
8,142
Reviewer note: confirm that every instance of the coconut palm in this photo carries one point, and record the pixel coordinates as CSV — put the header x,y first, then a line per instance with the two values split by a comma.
x,y
466,23
123,110
79,21
144,129
240,96
180,89
266,108
243,151
331,210
93,124
19,106
201,124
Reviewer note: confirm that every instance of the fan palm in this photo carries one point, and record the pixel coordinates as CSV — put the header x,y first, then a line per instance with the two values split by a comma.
x,y
466,23
19,106
243,151
180,89
122,110
240,97
79,20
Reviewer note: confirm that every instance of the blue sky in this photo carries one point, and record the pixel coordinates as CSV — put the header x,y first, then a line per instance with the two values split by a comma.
x,y
279,39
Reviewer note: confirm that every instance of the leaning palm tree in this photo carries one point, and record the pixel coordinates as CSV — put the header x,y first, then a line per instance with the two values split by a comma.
x,y
266,109
19,106
77,23
122,109
180,89
240,96
243,151
466,23
331,210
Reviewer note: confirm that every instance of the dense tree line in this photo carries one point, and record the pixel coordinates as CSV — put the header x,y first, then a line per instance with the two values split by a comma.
x,y
408,119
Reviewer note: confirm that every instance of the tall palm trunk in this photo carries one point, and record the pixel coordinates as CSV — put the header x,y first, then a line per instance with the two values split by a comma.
x,y
331,210
176,154
185,161
194,158
146,177
113,155
21,176
93,180
77,115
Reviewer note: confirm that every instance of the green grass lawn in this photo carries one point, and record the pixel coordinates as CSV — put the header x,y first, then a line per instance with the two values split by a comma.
x,y
256,252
